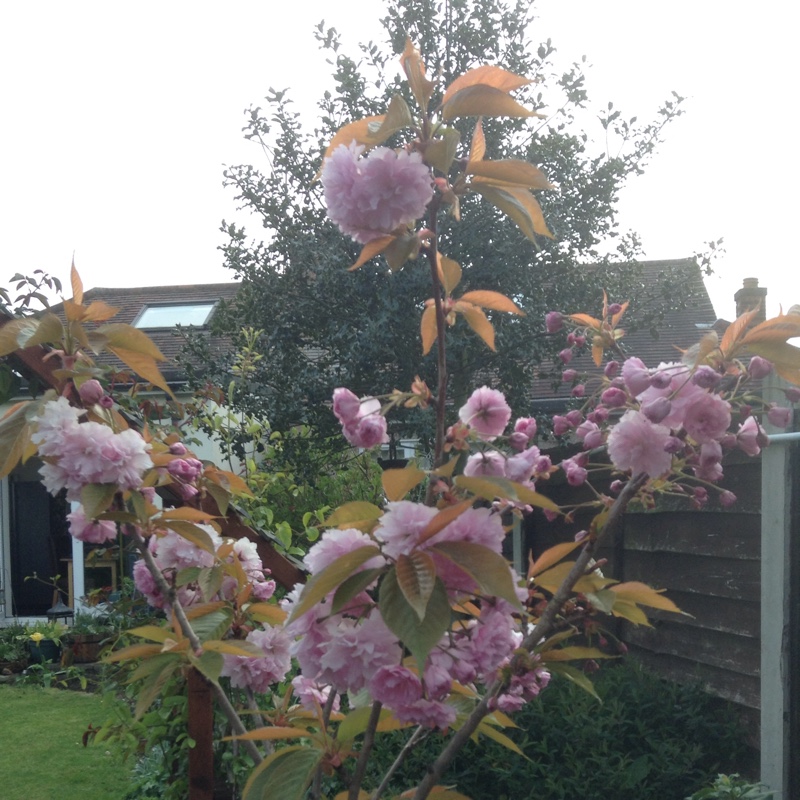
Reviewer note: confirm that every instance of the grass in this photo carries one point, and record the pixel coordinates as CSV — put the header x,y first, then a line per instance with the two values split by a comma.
x,y
41,753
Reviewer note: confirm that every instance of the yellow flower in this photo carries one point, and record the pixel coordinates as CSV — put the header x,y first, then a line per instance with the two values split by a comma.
x,y
37,637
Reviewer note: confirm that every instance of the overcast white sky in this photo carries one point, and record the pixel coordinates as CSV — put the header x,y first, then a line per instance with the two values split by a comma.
x,y
116,120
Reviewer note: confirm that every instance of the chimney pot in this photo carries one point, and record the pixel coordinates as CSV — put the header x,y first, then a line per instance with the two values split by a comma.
x,y
749,297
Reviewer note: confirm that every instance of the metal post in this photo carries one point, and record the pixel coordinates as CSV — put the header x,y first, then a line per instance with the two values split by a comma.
x,y
776,494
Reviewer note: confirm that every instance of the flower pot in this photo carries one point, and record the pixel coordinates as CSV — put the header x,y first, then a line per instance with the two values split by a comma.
x,y
85,647
44,650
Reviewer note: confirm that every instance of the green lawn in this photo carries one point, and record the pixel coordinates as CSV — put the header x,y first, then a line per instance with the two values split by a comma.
x,y
41,754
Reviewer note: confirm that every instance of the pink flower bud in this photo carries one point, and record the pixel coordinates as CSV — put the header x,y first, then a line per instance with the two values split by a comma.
x,y
553,321
617,486
560,425
614,308
566,355
705,377
673,445
611,369
727,499
661,380
91,392
580,340
599,415
578,391
569,375
759,367
614,397
526,425
571,338
177,449
657,409
574,417
518,441
780,417
106,401
792,394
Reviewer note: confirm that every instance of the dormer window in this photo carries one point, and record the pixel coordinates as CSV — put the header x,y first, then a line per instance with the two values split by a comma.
x,y
168,315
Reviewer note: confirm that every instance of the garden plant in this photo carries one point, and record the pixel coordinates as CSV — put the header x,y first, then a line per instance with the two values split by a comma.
x,y
410,616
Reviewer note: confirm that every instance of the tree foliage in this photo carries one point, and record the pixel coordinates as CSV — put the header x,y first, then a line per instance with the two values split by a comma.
x,y
324,326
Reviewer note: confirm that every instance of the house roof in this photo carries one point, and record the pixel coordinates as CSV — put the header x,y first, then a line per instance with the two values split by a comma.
x,y
131,302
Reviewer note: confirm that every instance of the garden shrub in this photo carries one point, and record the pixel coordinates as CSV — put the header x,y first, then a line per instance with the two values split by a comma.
x,y
649,739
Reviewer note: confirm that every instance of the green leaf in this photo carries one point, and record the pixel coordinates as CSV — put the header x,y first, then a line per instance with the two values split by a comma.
x,y
210,581
352,586
500,738
489,488
488,569
576,676
416,575
152,685
213,625
333,575
285,775
210,664
355,515
191,532
418,635
97,497
14,434
187,575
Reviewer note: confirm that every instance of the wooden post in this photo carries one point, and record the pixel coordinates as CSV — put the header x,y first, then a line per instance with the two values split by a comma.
x,y
201,729
776,495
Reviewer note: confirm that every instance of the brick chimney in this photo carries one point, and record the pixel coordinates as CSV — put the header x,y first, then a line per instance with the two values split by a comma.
x,y
749,297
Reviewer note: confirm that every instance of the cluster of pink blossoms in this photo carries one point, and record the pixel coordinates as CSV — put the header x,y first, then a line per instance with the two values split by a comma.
x,y
363,424
353,649
373,196
77,454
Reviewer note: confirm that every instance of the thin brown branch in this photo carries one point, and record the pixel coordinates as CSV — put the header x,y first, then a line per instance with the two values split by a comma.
x,y
419,734
366,749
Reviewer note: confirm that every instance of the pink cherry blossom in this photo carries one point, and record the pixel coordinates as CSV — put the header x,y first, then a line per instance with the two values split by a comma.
x,y
553,321
486,412
779,416
93,531
91,392
637,444
759,367
485,464
259,673
748,437
636,376
372,196
707,418
336,543
395,686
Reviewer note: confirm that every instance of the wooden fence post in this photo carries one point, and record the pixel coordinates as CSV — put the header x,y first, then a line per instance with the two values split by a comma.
x,y
201,729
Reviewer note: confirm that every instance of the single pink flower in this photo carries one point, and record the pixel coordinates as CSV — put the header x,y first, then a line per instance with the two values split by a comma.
x,y
90,392
779,416
487,464
637,444
372,196
93,531
486,412
636,376
707,418
748,437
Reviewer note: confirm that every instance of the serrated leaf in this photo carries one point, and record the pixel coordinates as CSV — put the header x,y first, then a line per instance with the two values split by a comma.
x,y
573,654
98,311
397,483
270,733
489,76
128,338
358,514
449,273
413,66
641,593
220,495
481,100
446,470
401,249
550,557
782,354
551,579
360,131
188,513
597,354
441,152
143,365
14,335
210,665
189,531
354,585
586,320
477,149
631,612
443,519
267,612
210,581
152,685
187,575
509,172
492,300
49,331
518,204
213,625
428,328
416,574
331,577
285,775
15,434
577,677
134,651
488,569
152,632
234,647
500,738
76,283
477,320
97,497
735,331
419,636
398,116
372,249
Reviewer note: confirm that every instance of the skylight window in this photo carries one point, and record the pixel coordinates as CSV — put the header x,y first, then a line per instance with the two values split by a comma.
x,y
172,314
